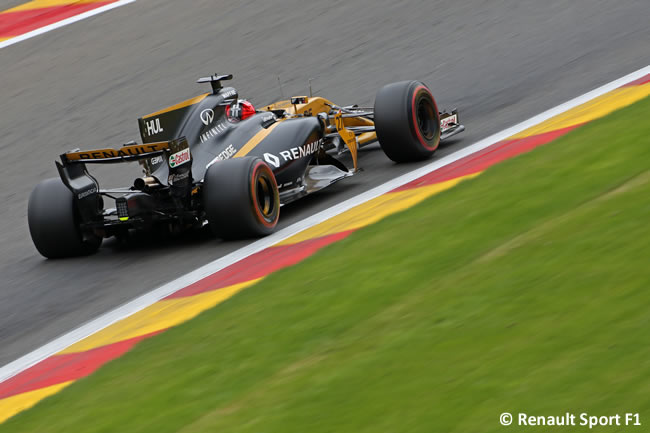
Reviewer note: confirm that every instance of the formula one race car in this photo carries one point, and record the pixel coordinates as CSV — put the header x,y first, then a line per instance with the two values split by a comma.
x,y
217,160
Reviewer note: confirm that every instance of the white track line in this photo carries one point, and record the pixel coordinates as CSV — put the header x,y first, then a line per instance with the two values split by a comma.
x,y
155,295
64,22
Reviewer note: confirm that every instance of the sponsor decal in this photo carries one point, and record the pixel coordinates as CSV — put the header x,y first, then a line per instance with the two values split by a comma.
x,y
177,177
86,193
229,94
207,116
179,158
112,153
447,122
294,153
227,153
153,127
214,131
272,159
301,151
156,160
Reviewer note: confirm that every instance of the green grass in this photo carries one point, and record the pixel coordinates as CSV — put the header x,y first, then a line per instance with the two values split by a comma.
x,y
525,289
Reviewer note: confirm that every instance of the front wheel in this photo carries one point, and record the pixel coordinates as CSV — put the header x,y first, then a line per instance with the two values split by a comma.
x,y
241,198
54,224
407,121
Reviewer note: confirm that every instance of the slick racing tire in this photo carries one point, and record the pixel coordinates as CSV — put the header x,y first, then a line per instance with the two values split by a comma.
x,y
53,222
241,198
407,121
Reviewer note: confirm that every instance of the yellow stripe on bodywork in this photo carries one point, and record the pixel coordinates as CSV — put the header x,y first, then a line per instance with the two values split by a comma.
x,y
183,104
591,110
373,210
257,138
161,315
10,406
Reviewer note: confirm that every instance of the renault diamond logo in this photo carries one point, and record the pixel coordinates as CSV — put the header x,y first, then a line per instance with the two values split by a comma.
x,y
207,116
272,159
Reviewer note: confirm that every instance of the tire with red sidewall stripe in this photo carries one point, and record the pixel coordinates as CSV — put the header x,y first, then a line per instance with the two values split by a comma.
x,y
407,121
240,198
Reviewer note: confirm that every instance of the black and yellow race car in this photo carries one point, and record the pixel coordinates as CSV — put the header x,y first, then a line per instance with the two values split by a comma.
x,y
217,160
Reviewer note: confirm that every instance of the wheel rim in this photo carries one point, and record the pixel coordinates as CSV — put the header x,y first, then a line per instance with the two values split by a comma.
x,y
426,119
265,197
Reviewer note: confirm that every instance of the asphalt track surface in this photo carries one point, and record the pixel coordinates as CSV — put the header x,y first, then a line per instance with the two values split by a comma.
x,y
84,85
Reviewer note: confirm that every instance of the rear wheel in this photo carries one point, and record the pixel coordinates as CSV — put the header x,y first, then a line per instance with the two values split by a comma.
x,y
241,198
407,121
54,224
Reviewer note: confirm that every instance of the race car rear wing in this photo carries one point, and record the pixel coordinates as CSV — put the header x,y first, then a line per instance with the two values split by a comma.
x,y
73,172
126,153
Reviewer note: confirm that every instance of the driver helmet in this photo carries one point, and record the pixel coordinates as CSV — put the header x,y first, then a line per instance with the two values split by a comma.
x,y
240,110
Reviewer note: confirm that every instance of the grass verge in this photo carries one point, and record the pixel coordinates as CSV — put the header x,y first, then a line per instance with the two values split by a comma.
x,y
523,290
